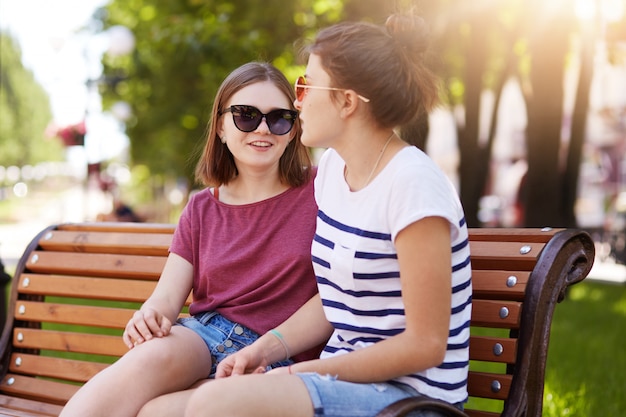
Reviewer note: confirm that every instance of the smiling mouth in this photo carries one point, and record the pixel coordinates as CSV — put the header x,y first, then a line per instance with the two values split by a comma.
x,y
261,144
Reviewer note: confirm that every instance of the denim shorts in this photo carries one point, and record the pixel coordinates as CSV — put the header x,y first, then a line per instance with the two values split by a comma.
x,y
334,398
222,336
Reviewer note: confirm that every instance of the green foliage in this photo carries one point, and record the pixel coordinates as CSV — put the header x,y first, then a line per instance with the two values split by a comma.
x,y
586,357
24,112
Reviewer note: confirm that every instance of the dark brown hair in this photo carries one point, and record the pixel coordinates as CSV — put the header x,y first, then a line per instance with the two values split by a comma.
x,y
383,63
217,165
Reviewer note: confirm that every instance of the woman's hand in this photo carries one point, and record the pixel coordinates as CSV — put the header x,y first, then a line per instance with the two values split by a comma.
x,y
144,325
245,361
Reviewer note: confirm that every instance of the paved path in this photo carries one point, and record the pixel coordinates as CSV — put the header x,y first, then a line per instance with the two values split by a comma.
x,y
75,204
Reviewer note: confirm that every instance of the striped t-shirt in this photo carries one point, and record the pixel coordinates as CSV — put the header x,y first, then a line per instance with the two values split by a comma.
x,y
355,260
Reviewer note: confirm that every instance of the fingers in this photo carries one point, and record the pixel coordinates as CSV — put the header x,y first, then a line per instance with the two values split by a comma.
x,y
166,326
235,364
224,368
144,325
239,368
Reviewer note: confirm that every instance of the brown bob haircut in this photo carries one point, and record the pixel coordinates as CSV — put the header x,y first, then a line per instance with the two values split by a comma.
x,y
217,164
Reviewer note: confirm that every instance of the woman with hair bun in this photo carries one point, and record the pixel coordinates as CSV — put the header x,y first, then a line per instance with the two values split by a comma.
x,y
390,252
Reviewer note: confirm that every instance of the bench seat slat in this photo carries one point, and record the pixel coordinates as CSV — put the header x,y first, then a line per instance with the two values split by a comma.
x,y
99,265
36,388
21,407
154,244
96,344
73,314
60,368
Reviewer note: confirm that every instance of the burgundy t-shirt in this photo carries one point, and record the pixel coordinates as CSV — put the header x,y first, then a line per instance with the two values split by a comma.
x,y
252,262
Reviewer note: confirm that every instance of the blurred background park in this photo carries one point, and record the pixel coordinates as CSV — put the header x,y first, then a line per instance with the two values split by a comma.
x,y
103,107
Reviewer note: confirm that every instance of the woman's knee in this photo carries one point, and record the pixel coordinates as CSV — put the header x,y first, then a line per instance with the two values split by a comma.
x,y
215,394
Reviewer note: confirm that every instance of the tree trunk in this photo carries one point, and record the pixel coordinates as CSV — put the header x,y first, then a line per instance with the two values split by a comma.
x,y
542,196
579,128
474,163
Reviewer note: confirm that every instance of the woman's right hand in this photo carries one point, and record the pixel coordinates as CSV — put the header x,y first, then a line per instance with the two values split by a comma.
x,y
246,361
144,325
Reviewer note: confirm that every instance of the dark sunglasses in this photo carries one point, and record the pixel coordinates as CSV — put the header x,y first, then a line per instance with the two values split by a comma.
x,y
248,118
301,88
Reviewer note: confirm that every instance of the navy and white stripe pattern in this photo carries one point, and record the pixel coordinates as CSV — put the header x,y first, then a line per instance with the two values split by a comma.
x,y
356,265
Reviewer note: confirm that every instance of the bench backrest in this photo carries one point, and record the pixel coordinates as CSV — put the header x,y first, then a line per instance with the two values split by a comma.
x,y
77,285
518,275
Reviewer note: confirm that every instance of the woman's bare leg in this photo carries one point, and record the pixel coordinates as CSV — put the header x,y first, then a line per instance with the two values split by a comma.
x,y
252,395
153,368
169,405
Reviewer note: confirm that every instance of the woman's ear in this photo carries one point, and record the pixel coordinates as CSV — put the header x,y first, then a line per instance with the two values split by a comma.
x,y
219,129
349,103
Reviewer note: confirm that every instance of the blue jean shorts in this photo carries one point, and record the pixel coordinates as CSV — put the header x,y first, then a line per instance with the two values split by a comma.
x,y
222,336
334,398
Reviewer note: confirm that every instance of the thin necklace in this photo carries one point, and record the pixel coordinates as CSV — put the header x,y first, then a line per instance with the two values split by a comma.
x,y
380,156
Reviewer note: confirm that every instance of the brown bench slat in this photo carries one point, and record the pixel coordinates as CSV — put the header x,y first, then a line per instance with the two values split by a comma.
x,y
126,227
154,244
504,255
513,234
496,313
480,385
86,287
117,289
103,265
20,407
493,349
28,387
73,314
96,344
51,367
505,285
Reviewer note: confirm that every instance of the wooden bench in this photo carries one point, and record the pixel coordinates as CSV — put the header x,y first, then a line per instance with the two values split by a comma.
x,y
77,285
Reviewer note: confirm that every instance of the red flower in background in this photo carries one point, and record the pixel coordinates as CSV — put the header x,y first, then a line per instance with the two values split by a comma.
x,y
73,135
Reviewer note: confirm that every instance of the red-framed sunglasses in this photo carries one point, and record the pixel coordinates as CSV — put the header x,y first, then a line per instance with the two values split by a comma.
x,y
301,87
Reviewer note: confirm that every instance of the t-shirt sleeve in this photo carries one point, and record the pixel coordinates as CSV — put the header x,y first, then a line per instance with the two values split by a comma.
x,y
182,239
420,192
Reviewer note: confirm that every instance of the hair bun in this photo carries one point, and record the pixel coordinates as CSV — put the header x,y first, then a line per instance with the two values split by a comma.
x,y
409,31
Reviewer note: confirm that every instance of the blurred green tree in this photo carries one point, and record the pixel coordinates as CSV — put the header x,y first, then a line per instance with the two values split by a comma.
x,y
24,112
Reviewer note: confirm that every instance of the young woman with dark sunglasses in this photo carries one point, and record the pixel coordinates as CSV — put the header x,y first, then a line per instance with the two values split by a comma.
x,y
242,245
390,253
